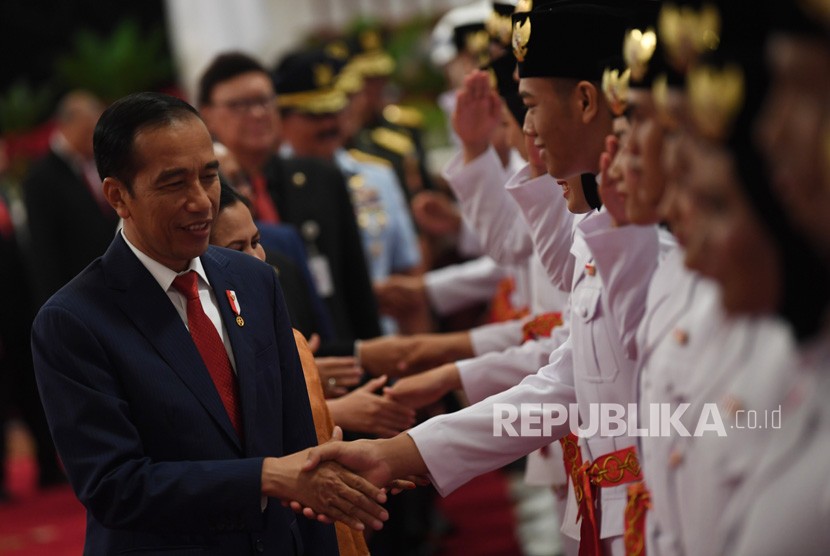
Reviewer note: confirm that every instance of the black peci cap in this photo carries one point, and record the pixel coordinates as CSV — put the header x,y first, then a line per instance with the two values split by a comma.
x,y
571,39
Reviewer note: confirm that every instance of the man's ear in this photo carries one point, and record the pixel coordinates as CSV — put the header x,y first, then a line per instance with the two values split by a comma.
x,y
587,96
115,192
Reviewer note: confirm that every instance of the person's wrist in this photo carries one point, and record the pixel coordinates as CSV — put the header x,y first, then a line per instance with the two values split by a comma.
x,y
474,149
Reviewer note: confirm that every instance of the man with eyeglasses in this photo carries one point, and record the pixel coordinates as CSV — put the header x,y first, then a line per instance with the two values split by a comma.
x,y
237,100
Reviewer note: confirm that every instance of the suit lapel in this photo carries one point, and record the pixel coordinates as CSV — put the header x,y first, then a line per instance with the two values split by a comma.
x,y
222,281
147,305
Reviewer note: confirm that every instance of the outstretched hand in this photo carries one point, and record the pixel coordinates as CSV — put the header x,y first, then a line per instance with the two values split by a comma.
x,y
422,389
364,411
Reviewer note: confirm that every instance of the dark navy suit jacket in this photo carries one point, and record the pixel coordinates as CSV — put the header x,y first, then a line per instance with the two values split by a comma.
x,y
140,427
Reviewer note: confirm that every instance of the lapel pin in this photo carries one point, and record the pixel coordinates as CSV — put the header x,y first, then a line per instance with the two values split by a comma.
x,y
590,269
232,299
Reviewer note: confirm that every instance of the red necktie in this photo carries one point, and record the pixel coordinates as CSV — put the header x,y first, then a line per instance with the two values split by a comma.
x,y
263,204
211,348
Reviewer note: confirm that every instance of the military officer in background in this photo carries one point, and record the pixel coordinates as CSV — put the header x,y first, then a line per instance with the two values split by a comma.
x,y
313,110
387,130
237,100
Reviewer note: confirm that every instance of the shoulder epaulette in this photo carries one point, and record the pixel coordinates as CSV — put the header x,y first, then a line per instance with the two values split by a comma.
x,y
392,140
365,157
405,116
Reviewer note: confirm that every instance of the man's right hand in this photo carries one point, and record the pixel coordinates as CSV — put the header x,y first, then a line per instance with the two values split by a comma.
x,y
332,492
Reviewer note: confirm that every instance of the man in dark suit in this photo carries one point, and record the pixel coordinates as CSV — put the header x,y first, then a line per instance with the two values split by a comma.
x,y
168,369
236,98
70,222
17,381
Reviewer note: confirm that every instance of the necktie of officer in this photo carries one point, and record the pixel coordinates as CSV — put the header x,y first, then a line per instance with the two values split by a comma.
x,y
211,348
264,206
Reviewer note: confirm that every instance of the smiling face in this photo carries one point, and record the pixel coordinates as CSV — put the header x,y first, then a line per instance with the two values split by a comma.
x,y
169,209
725,239
568,120
242,114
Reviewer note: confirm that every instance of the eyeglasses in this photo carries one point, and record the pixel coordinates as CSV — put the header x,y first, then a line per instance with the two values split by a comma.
x,y
245,105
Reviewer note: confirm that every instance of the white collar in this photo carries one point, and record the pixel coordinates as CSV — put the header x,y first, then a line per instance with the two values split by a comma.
x,y
163,275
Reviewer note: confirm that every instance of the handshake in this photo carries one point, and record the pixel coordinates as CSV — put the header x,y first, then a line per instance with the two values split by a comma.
x,y
345,481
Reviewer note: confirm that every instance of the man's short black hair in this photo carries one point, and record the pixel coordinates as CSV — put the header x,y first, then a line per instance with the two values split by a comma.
x,y
118,126
225,66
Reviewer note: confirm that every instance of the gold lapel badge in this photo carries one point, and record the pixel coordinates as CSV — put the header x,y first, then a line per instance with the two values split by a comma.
x,y
521,36
499,27
638,48
298,179
615,87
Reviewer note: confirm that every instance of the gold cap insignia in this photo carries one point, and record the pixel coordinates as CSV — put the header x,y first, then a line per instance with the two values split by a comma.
x,y
638,48
521,36
687,33
660,96
337,50
523,6
477,43
323,75
499,26
615,87
370,40
715,98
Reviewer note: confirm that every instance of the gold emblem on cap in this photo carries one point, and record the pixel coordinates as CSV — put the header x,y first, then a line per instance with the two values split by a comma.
x,y
298,179
370,40
240,321
323,75
615,87
715,98
523,6
337,50
687,33
660,96
477,43
521,36
499,26
638,48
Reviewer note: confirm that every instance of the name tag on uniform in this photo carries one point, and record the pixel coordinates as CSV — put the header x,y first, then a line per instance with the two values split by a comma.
x,y
321,274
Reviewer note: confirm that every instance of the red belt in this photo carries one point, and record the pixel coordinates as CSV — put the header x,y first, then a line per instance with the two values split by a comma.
x,y
501,308
541,326
617,468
